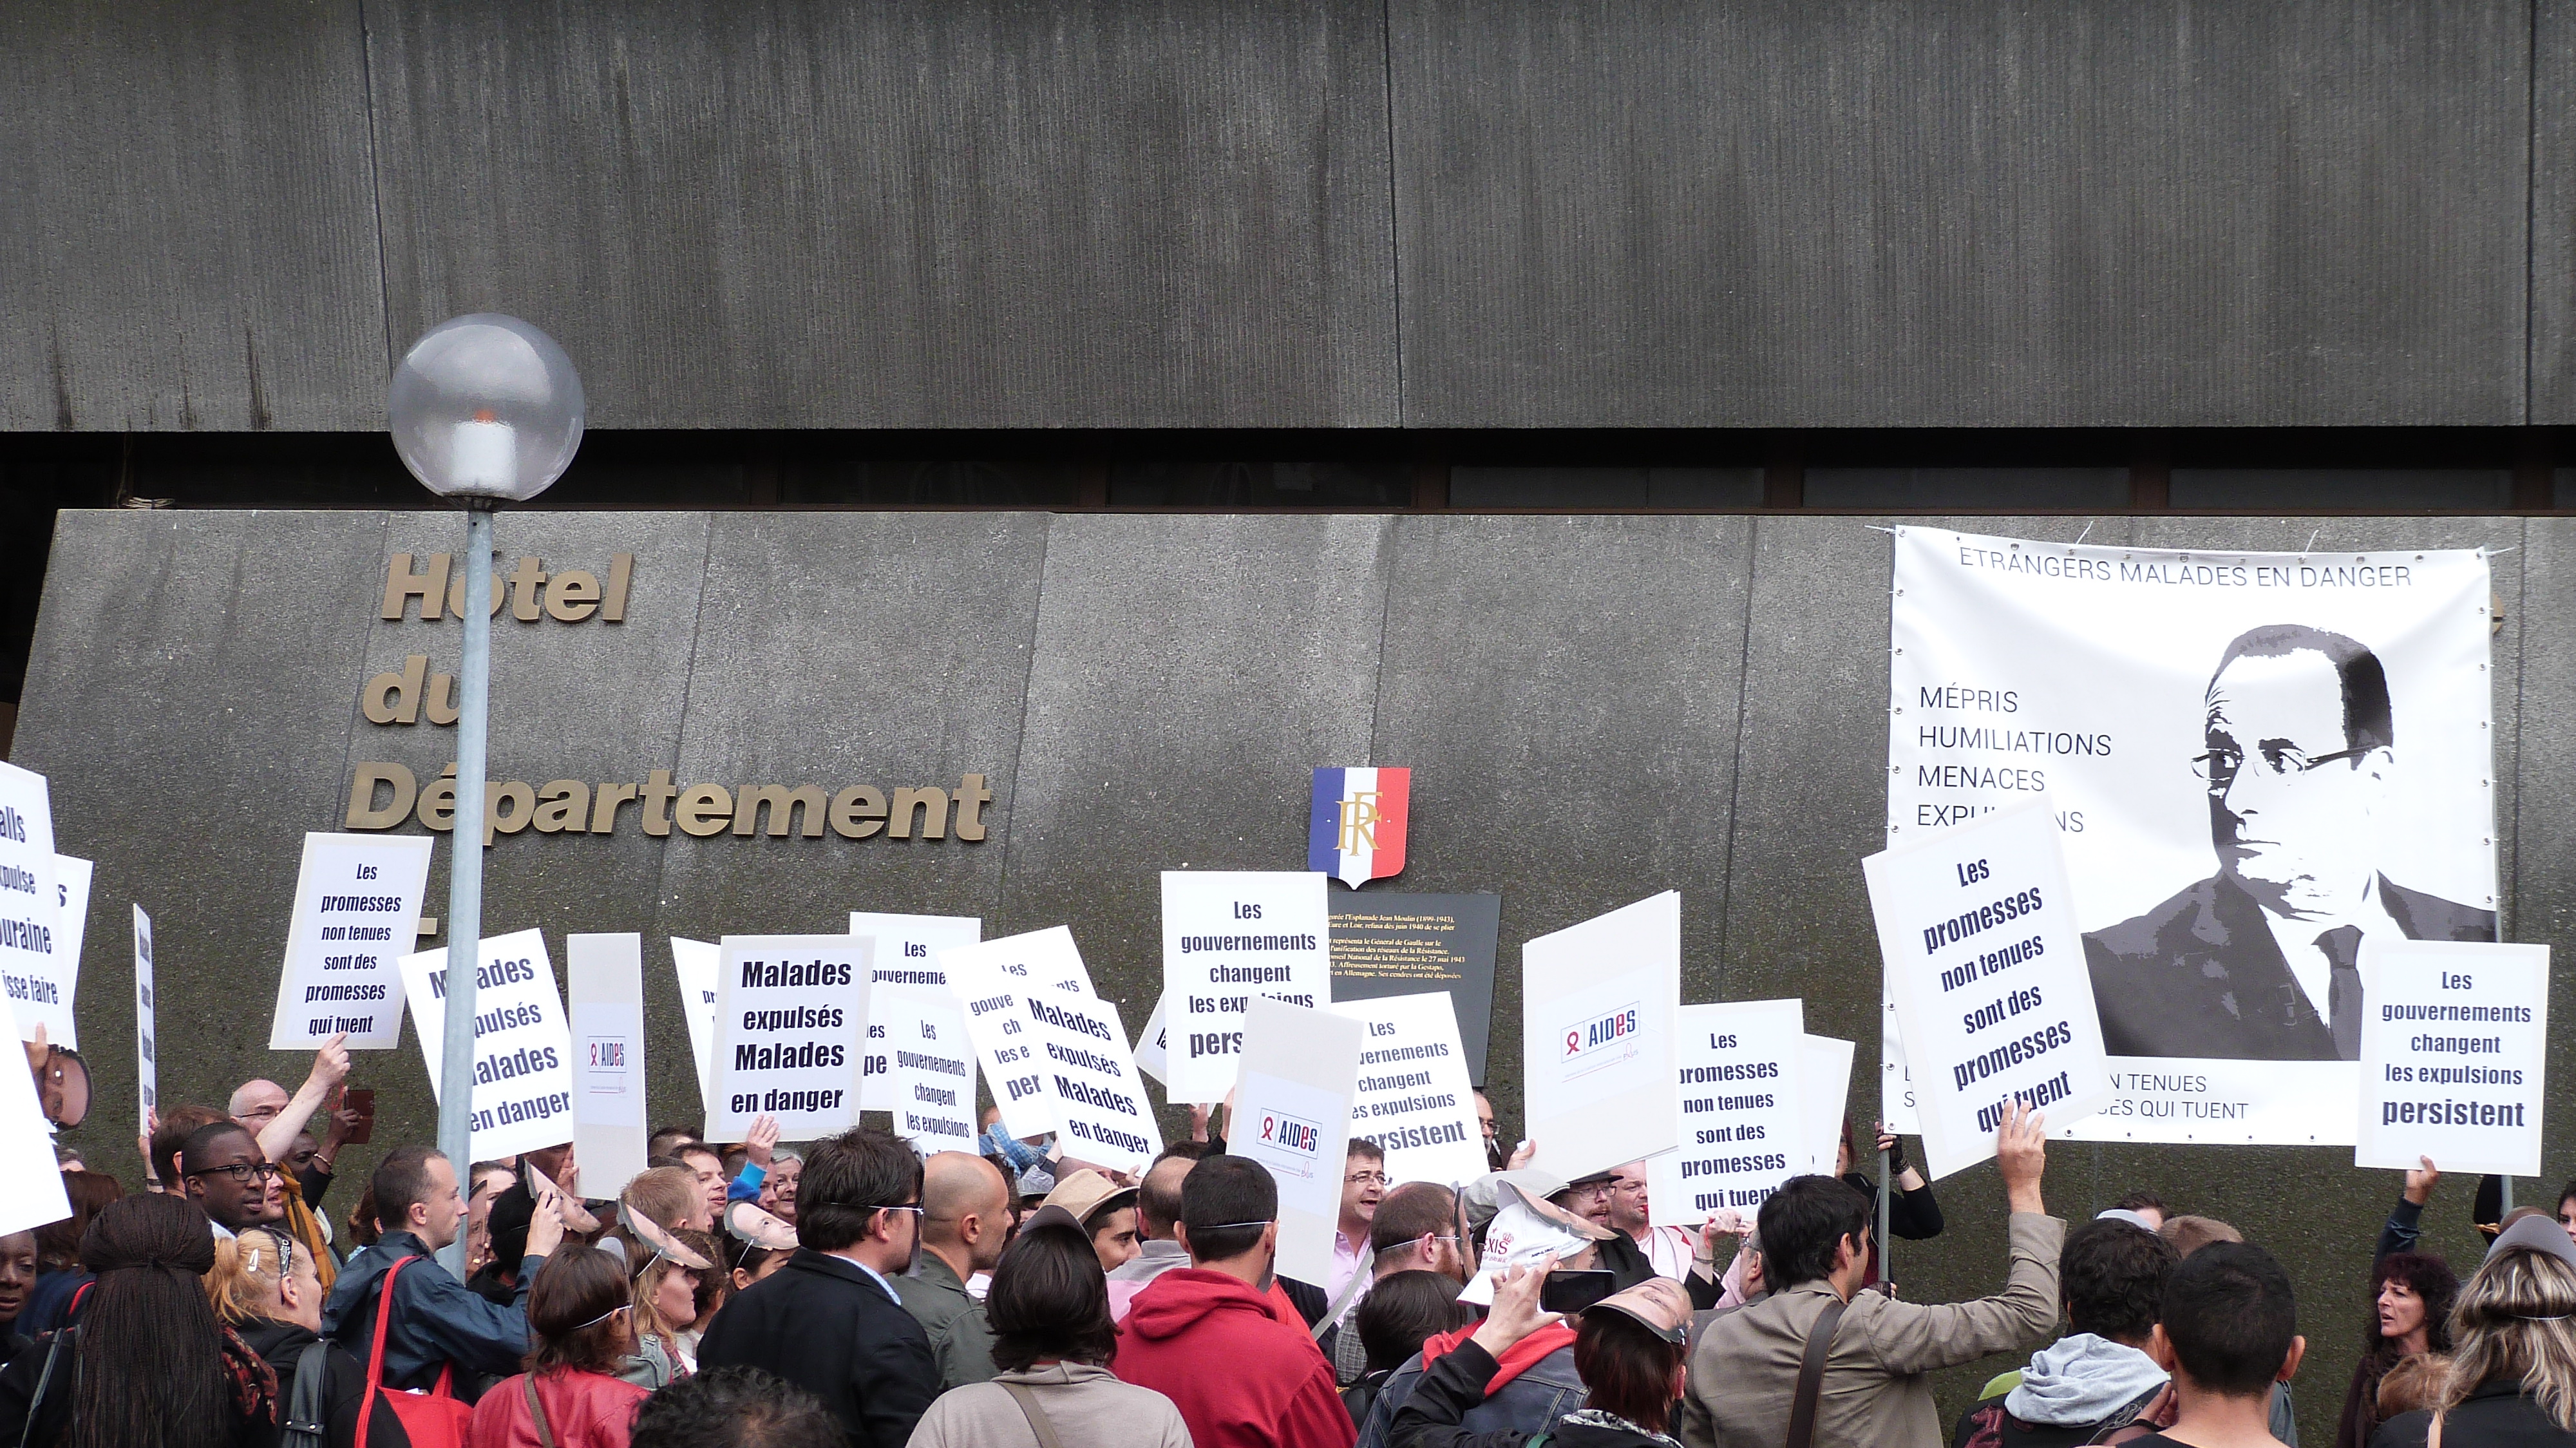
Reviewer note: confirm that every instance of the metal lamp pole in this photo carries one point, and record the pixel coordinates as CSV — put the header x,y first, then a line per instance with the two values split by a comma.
x,y
465,863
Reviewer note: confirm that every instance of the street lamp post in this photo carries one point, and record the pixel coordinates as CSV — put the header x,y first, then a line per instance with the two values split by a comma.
x,y
485,410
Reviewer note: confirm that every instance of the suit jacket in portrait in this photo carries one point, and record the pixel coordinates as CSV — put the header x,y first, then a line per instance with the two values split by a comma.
x,y
827,1327
2202,974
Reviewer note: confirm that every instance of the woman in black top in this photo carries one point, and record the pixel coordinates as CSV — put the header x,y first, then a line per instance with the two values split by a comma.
x,y
2513,1374
264,1286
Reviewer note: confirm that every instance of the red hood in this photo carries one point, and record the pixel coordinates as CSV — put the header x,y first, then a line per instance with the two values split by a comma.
x,y
1517,1359
1175,1302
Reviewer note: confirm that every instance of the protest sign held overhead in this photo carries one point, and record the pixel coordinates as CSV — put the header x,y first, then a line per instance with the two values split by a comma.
x,y
1741,1112
934,1066
1598,1002
522,1048
1412,1097
71,924
32,969
604,989
1824,1085
1292,1114
2454,1055
1057,1062
1355,830
1386,944
908,949
791,1017
1040,959
357,911
1006,1045
694,963
2258,761
147,1063
1977,933
31,1183
1150,1043
1230,936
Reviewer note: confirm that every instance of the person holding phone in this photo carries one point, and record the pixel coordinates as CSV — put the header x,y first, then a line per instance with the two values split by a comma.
x,y
1628,1347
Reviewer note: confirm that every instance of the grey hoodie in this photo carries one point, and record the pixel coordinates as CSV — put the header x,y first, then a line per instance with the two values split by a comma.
x,y
2082,1378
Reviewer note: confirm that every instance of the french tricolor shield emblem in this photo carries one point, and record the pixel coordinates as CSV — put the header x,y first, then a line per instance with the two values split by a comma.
x,y
1357,830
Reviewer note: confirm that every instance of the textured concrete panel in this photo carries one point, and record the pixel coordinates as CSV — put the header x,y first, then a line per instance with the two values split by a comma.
x,y
191,222
1190,675
791,214
1854,214
1582,755
2544,858
2552,267
188,702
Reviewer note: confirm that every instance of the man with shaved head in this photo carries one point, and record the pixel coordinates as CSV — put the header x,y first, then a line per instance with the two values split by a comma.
x,y
965,1220
1158,1206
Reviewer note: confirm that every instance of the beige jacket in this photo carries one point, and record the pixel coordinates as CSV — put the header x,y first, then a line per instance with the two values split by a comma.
x,y
1089,1407
1744,1372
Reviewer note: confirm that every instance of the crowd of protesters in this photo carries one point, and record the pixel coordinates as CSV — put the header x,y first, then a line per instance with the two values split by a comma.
x,y
860,1294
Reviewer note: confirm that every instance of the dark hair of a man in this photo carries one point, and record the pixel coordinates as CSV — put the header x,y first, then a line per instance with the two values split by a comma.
x,y
1627,1369
1049,1300
1409,1212
58,1243
1363,1149
402,1182
201,1143
688,1149
847,1180
665,1137
1799,1225
1220,1192
177,1125
570,1308
1401,1310
150,1359
2366,715
2113,1275
2230,1315
2143,1202
735,1407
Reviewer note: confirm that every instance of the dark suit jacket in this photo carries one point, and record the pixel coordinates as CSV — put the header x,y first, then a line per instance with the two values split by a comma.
x,y
827,1327
2201,975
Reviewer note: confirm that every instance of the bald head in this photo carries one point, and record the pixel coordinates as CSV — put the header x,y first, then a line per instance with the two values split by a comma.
x,y
1158,1200
256,1103
964,1202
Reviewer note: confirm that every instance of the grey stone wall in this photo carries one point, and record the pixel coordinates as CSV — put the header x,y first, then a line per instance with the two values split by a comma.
x,y
1594,708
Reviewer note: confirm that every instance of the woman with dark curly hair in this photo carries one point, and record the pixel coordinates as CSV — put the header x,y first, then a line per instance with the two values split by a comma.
x,y
2411,1297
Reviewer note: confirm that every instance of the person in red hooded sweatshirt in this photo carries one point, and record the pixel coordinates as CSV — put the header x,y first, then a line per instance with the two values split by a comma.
x,y
1217,1339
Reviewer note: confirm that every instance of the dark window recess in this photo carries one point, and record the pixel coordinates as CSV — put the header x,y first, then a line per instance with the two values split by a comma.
x,y
1968,490
1578,487
2344,490
929,480
1260,485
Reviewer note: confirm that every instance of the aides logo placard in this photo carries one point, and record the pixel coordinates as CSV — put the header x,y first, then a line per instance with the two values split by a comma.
x,y
1356,831
1601,1039
1301,1140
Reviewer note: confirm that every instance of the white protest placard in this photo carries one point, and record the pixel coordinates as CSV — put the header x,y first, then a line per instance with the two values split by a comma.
x,y
1413,1097
1057,1062
2454,1052
791,1017
1598,1002
31,1182
604,988
31,965
693,962
1230,936
1976,927
147,1063
1824,1083
357,911
71,926
908,949
1041,959
934,1065
1152,1054
1741,1112
1292,1114
522,1048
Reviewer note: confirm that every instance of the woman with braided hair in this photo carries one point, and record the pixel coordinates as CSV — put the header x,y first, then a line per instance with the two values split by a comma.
x,y
146,1361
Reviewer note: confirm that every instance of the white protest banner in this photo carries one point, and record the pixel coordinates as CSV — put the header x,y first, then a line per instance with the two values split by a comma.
x,y
604,988
1976,929
1057,1062
1292,1114
1230,936
791,1017
357,911
1413,1097
2454,1054
2258,760
1742,1115
989,977
1597,1052
1824,1084
31,1183
1895,1085
1152,1054
934,1065
147,1064
908,949
694,963
522,1048
1045,959
71,926
31,965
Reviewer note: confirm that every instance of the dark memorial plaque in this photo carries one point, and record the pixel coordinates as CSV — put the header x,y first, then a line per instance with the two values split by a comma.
x,y
1386,945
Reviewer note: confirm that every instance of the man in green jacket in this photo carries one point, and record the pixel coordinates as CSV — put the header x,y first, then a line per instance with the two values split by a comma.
x,y
965,1219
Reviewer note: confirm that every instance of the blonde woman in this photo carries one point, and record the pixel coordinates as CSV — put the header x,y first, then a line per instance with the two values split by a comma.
x,y
2513,1363
268,1289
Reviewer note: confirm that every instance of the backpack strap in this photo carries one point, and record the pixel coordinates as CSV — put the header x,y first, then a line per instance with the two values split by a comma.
x,y
1029,1409
42,1379
1811,1375
308,1401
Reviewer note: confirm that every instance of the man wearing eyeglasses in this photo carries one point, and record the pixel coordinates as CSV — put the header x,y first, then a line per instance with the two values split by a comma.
x,y
2260,961
230,1179
1363,1183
